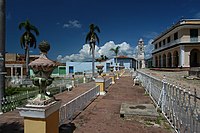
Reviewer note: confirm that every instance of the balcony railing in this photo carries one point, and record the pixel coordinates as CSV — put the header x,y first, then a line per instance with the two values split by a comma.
x,y
172,43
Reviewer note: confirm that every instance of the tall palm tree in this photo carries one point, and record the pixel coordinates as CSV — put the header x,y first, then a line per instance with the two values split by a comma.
x,y
92,38
2,49
116,51
28,40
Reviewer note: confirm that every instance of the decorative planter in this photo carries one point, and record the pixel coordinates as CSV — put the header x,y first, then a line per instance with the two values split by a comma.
x,y
99,69
111,68
116,68
42,68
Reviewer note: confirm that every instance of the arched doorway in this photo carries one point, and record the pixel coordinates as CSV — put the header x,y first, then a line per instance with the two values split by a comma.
x,y
169,59
195,58
164,60
160,64
156,63
176,59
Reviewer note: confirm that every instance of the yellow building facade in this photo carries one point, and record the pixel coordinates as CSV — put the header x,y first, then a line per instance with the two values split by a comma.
x,y
179,46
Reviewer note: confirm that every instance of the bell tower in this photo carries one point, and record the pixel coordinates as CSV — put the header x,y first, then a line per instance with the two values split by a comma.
x,y
140,54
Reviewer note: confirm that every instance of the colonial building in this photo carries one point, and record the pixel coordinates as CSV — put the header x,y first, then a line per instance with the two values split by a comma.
x,y
140,54
179,46
81,67
15,64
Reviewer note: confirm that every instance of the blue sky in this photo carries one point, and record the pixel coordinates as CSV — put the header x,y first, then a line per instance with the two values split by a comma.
x,y
64,23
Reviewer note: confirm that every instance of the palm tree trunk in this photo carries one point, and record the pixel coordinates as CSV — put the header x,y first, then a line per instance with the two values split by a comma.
x,y
2,50
27,61
93,49
116,61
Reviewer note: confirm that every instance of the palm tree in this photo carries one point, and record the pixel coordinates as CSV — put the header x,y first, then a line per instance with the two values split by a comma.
x,y
116,51
28,40
2,49
92,38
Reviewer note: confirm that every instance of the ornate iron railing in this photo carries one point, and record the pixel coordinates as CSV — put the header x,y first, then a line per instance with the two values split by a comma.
x,y
10,103
180,107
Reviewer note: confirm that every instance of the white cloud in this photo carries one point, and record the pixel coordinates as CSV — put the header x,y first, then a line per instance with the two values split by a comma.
x,y
148,49
72,24
197,15
85,53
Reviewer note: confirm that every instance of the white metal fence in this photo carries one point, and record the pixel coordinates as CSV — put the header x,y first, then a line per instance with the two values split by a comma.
x,y
180,107
73,107
108,82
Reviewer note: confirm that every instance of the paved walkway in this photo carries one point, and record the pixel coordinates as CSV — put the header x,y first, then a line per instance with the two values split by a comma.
x,y
101,116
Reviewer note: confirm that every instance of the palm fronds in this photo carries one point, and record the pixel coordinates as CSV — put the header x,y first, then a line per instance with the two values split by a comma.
x,y
27,37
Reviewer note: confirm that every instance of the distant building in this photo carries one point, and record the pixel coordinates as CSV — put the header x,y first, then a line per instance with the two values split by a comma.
x,y
15,64
179,46
59,71
140,54
81,67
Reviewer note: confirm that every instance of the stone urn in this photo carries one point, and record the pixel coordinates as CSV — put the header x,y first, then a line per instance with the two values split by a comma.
x,y
99,69
42,68
116,68
111,68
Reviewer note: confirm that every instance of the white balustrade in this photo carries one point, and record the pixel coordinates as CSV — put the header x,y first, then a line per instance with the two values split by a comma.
x,y
180,107
69,110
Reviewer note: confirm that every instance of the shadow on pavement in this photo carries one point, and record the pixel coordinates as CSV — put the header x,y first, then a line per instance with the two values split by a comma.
x,y
67,128
14,127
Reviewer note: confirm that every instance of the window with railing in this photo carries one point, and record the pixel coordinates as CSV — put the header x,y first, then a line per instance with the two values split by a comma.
x,y
159,44
168,39
164,42
176,36
193,35
156,46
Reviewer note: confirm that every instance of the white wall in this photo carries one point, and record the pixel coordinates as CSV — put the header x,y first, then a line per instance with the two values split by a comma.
x,y
83,66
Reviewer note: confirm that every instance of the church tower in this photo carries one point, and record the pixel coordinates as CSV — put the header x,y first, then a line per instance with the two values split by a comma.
x,y
140,54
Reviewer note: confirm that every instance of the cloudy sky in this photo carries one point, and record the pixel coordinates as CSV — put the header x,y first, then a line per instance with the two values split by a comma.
x,y
65,23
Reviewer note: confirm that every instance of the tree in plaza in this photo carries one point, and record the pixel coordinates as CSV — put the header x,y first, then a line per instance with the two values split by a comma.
x,y
92,38
28,40
116,51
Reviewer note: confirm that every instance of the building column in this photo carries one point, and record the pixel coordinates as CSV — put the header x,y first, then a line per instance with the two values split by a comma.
x,y
167,61
153,62
182,56
172,62
161,58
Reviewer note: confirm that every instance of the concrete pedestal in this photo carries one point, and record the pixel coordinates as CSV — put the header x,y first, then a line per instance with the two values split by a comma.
x,y
112,75
101,82
41,119
117,75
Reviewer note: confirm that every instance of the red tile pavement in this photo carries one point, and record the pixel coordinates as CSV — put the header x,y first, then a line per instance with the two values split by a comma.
x,y
103,115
